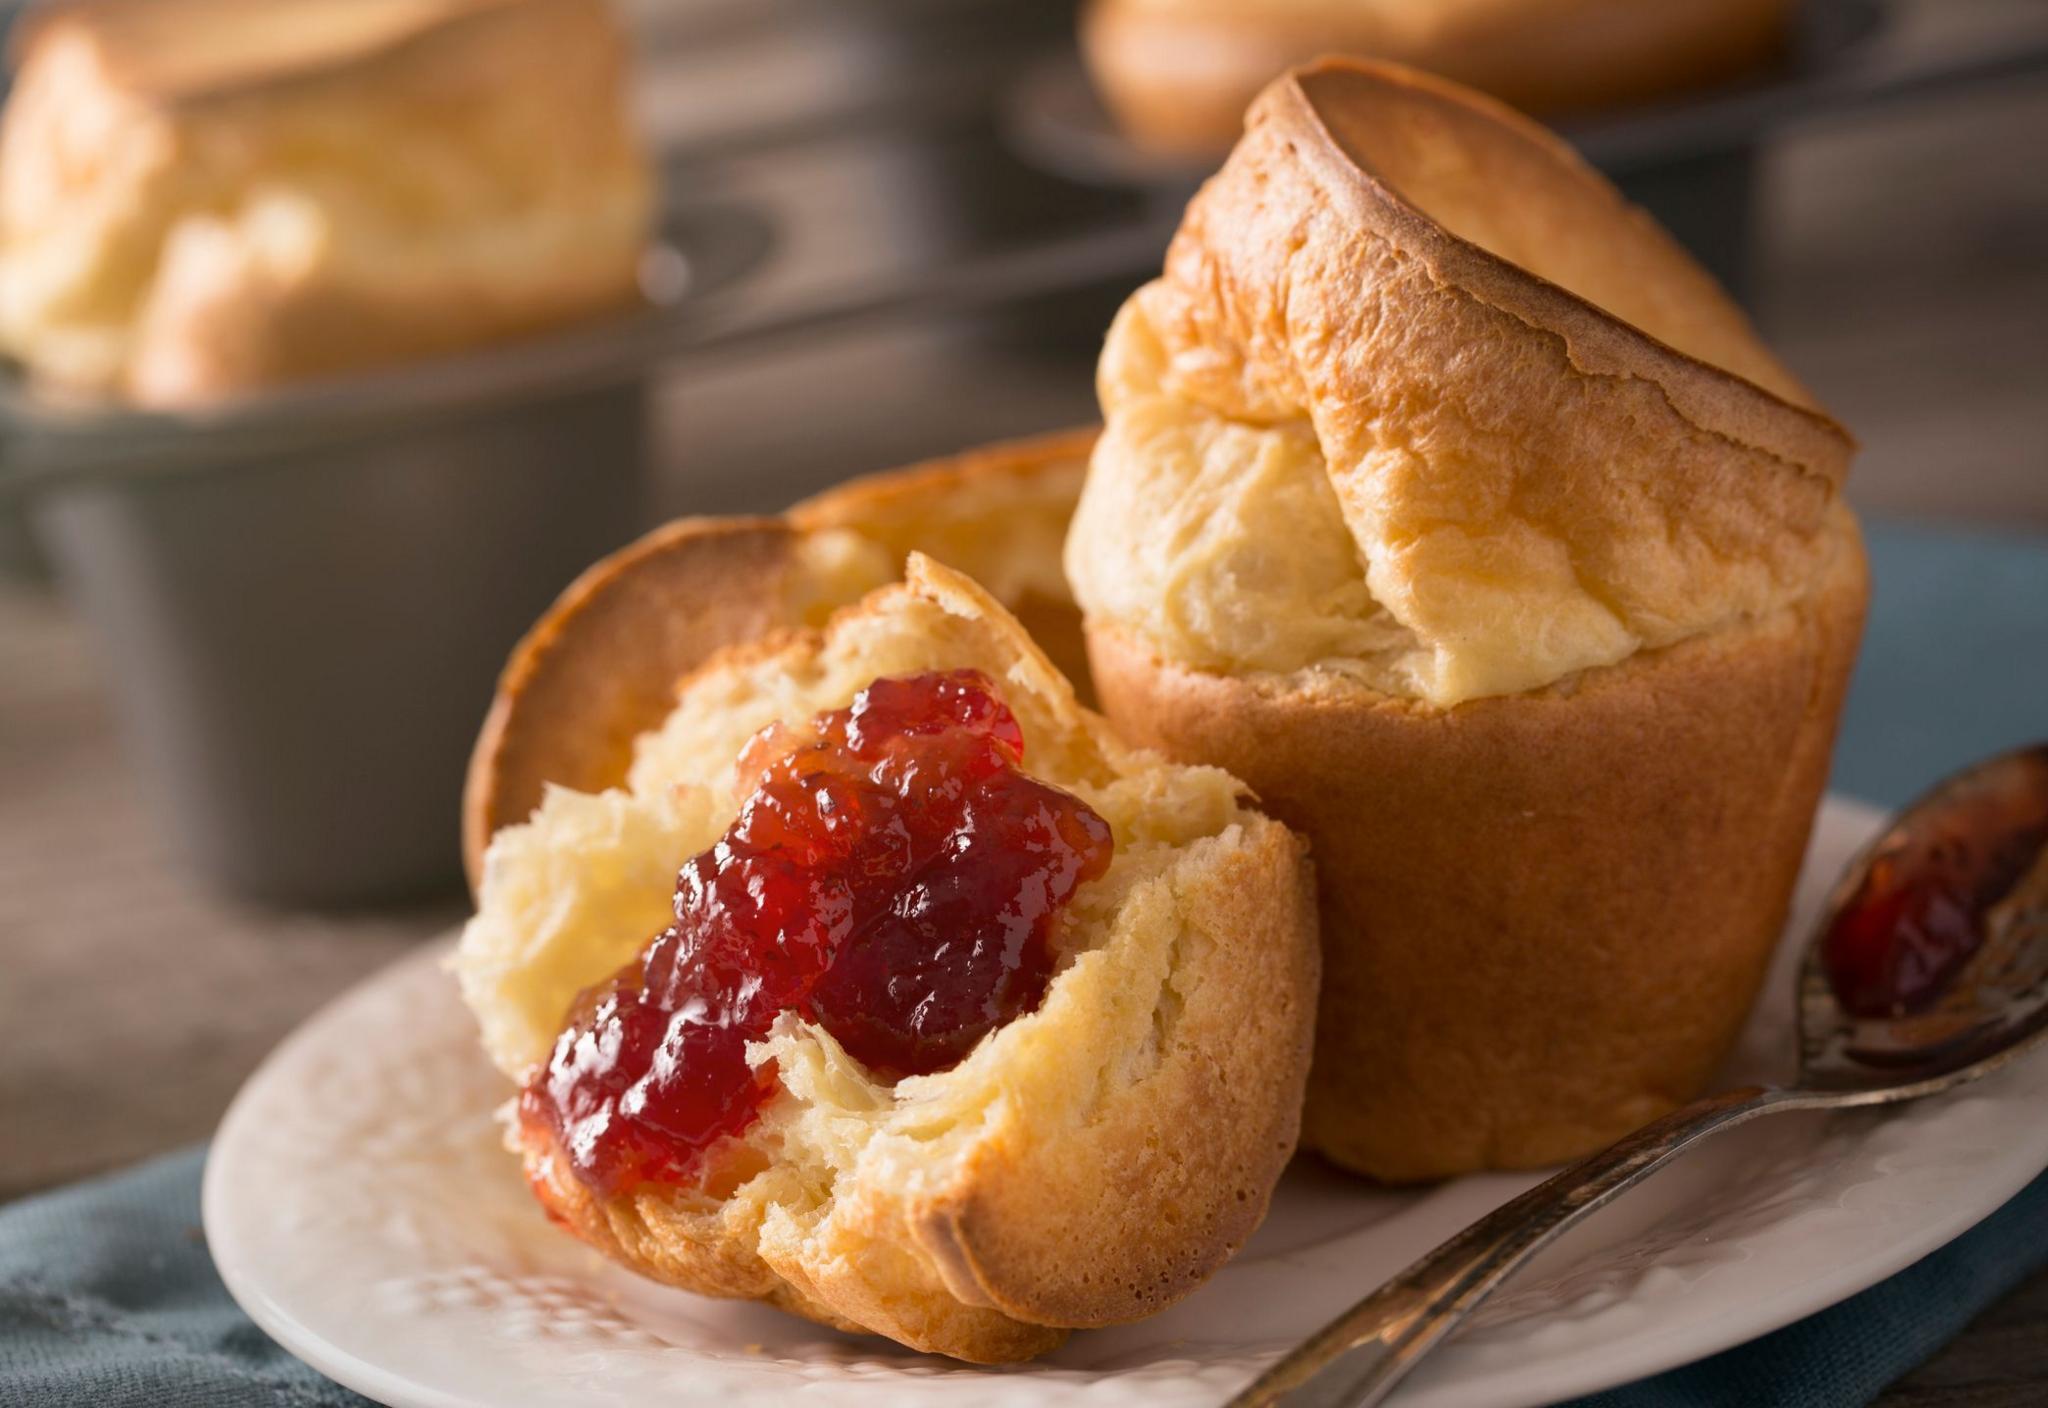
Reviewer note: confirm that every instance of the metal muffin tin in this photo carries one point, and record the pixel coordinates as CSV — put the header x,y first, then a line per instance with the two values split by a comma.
x,y
303,598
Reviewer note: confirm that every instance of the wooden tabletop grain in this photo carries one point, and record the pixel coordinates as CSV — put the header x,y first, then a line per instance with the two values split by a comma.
x,y
1904,272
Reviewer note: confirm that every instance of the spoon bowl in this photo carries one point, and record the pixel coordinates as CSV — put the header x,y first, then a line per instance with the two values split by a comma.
x,y
1994,1006
1928,970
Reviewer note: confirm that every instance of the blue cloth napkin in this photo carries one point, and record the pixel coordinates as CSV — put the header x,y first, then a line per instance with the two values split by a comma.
x,y
1955,659
108,1298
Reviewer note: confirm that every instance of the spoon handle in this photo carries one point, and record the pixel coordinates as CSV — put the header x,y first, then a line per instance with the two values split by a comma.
x,y
1358,1358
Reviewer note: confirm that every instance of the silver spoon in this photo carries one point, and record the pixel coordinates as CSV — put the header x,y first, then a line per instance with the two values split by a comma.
x,y
1910,1019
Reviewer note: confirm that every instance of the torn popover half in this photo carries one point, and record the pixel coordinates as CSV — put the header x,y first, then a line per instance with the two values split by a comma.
x,y
1446,501
890,988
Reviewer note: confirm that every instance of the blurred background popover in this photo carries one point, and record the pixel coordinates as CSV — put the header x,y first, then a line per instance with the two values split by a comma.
x,y
200,198
1179,73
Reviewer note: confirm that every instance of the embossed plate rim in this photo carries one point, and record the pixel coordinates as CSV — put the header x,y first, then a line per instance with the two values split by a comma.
x,y
404,1260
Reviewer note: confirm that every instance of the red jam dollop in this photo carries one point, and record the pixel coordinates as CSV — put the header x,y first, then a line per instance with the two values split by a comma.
x,y
1920,914
892,877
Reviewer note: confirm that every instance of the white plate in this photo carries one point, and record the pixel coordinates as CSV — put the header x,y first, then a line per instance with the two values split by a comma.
x,y
361,1210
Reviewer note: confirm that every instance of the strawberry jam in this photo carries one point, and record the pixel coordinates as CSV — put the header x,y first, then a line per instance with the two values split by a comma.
x,y
1920,913
891,876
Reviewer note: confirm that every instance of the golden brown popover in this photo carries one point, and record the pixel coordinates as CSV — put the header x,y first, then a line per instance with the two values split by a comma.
x,y
1447,502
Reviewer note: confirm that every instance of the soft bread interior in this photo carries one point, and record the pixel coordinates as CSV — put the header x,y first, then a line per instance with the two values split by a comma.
x,y
570,896
197,199
1310,465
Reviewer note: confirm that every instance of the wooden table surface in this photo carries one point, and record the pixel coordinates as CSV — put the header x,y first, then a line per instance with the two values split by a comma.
x,y
1905,273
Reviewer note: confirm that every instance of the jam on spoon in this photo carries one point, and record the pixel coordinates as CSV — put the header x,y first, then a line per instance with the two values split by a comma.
x,y
1919,914
891,876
